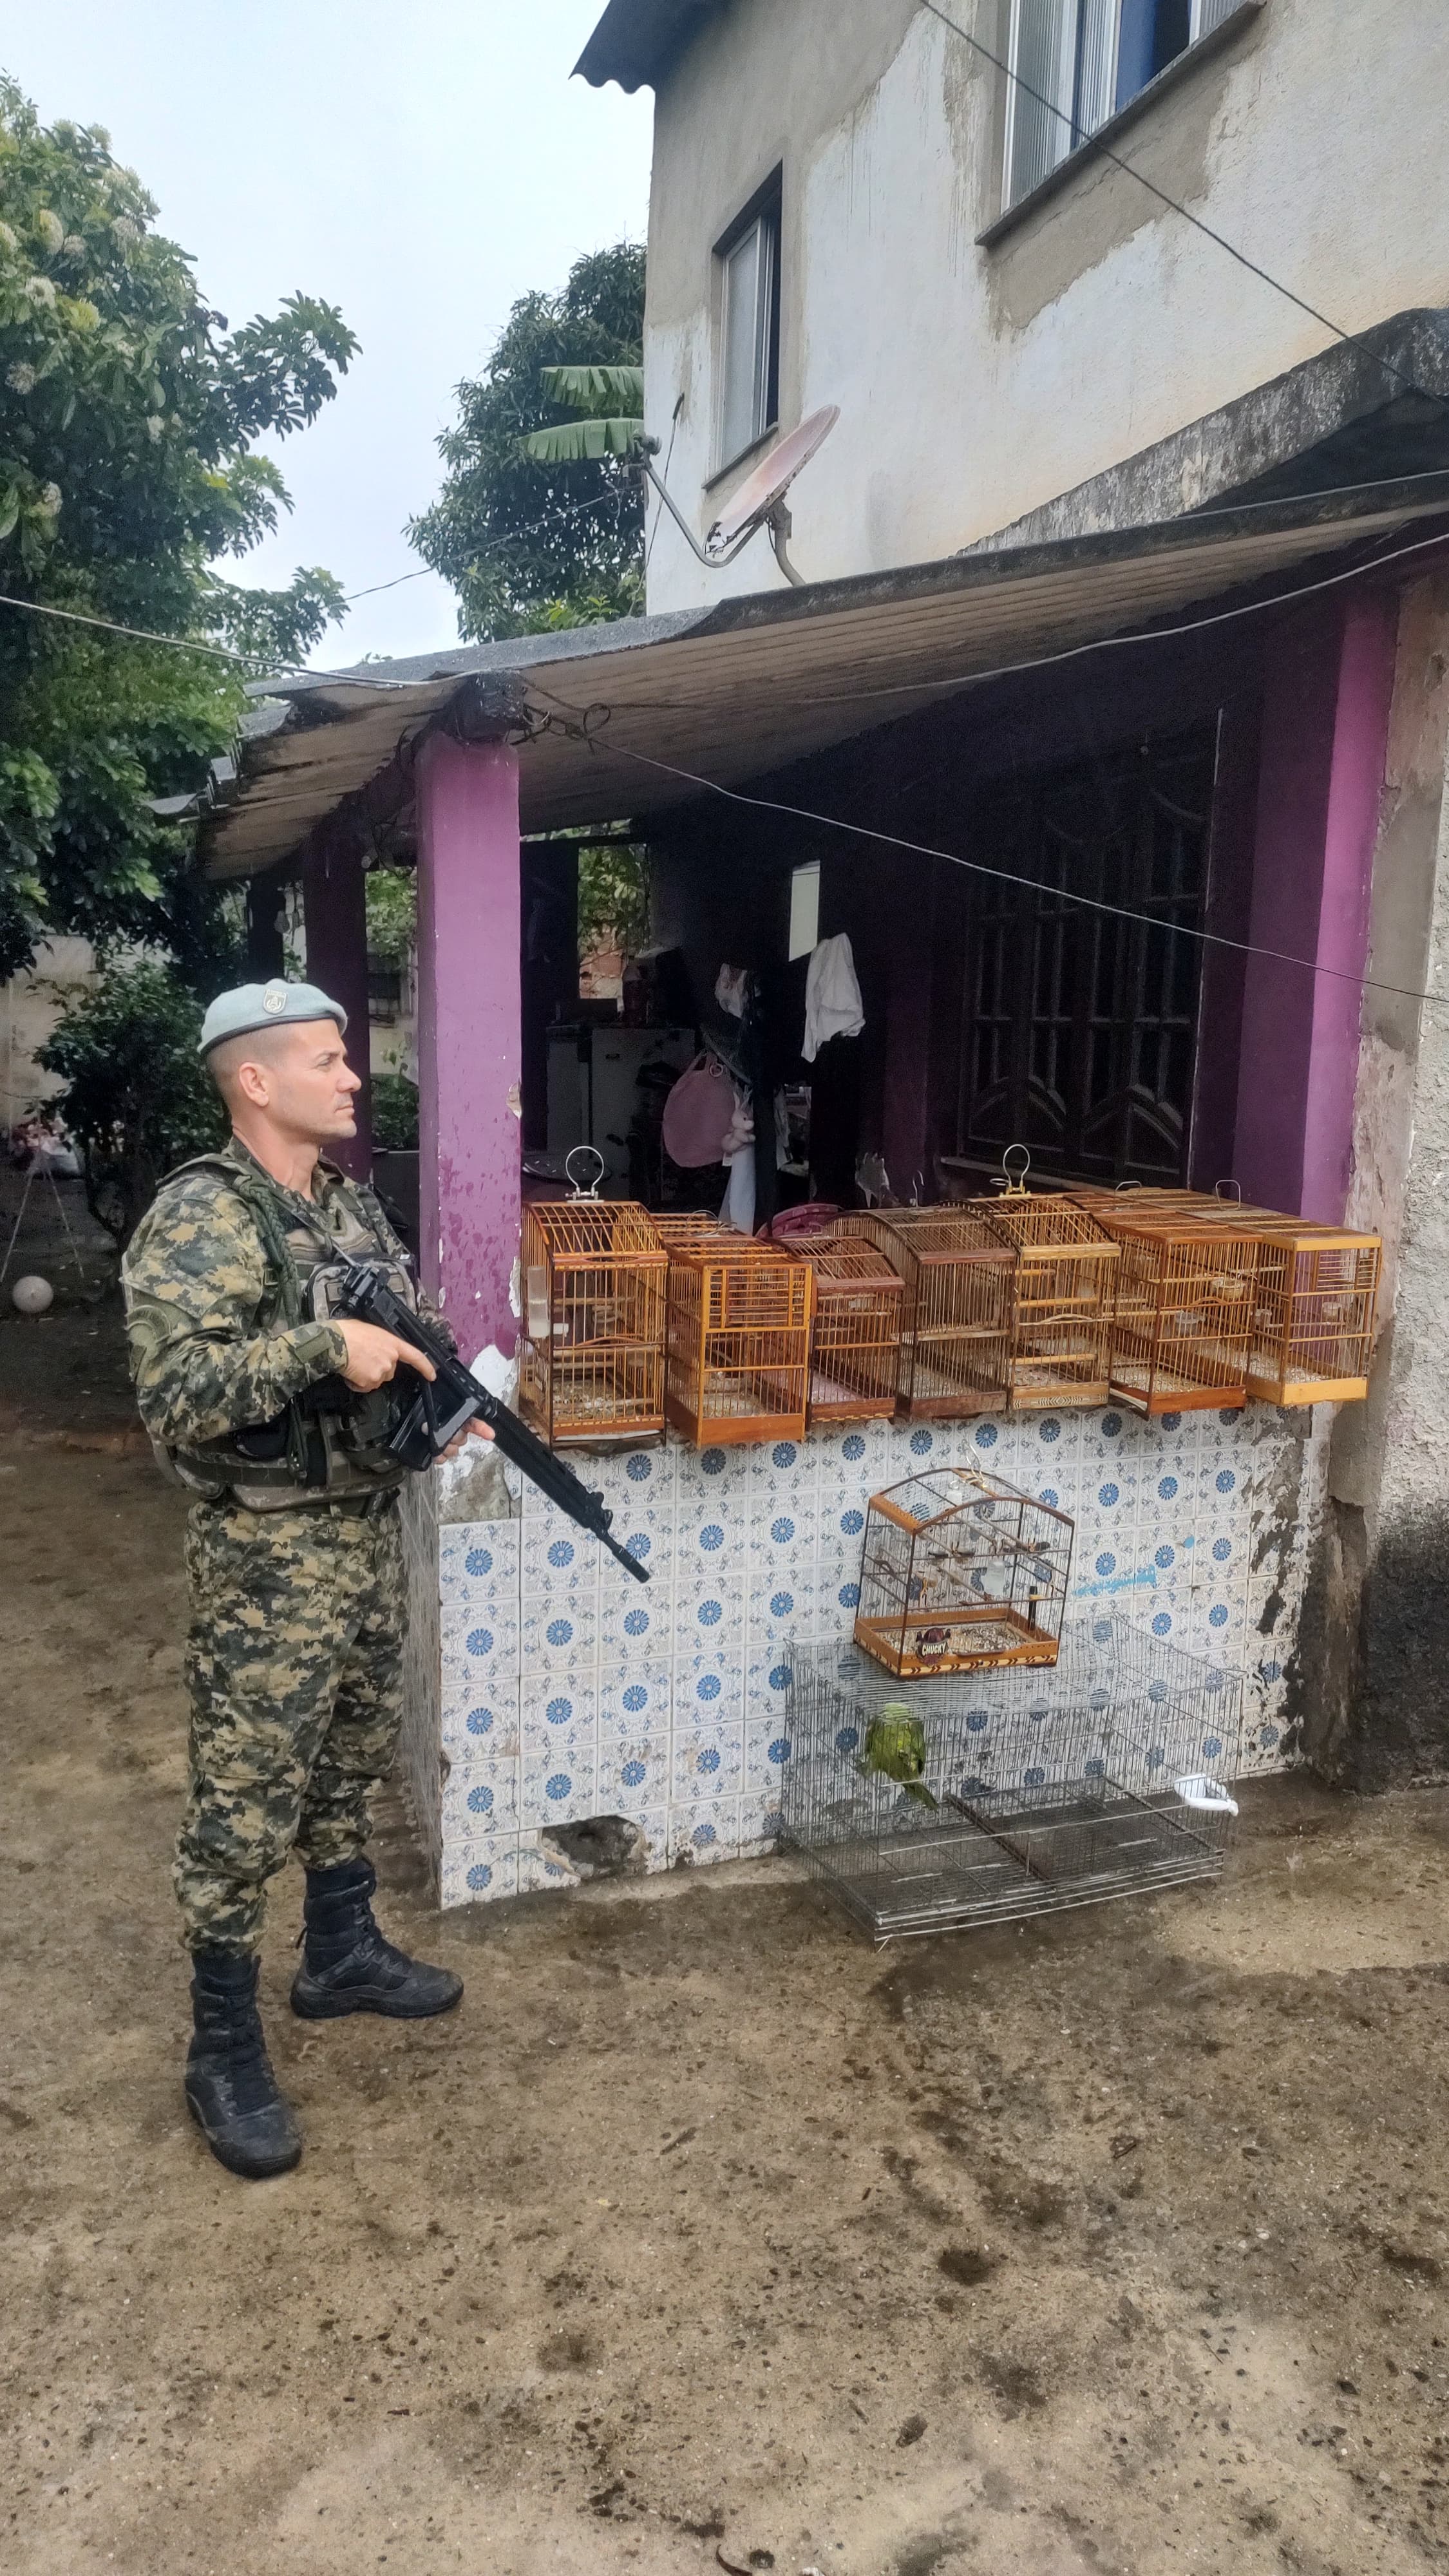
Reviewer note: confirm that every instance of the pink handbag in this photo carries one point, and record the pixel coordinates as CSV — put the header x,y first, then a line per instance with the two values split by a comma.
x,y
697,1114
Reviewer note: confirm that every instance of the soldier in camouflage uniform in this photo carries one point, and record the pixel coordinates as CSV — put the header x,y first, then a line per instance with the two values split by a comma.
x,y
276,1416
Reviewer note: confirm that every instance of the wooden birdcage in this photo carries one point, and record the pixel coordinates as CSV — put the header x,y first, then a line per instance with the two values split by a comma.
x,y
956,1273
679,1227
1186,1300
960,1571
1315,1300
737,1364
591,1351
855,1349
1063,1298
1313,1318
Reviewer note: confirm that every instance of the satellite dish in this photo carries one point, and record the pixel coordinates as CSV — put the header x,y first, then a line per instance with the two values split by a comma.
x,y
764,490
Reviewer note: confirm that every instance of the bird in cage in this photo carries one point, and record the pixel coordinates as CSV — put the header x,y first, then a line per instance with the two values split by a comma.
x,y
895,1749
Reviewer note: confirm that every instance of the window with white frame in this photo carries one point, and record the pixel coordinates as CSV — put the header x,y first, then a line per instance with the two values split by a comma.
x,y
1075,62
749,326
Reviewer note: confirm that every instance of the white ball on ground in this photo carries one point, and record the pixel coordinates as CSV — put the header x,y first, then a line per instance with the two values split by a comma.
x,y
32,1295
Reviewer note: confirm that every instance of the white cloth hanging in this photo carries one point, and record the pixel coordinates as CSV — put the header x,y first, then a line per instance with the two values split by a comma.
x,y
833,1007
731,990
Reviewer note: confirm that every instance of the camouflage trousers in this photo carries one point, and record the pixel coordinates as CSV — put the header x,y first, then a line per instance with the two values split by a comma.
x,y
294,1666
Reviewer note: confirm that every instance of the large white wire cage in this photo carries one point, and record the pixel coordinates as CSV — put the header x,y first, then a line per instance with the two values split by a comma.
x,y
988,1797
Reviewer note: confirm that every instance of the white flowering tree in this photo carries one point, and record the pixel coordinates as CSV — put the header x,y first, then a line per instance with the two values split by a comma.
x,y
129,473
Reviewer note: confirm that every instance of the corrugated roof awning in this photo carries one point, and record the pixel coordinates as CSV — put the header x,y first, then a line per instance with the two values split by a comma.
x,y
736,691
635,41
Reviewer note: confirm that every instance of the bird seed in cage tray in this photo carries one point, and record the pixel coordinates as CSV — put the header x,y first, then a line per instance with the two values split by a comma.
x,y
960,1571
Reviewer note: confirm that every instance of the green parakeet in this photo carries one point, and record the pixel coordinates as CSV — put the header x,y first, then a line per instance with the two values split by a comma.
x,y
895,1749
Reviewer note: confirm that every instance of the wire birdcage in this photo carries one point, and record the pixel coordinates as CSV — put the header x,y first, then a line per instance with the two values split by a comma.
x,y
959,1571
1063,1295
956,1273
591,1350
1006,1794
855,1347
737,1363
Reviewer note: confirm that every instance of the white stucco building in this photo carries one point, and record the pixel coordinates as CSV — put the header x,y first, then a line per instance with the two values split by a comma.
x,y
999,311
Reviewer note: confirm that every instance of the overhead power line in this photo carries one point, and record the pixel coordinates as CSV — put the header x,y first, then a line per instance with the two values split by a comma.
x,y
1094,143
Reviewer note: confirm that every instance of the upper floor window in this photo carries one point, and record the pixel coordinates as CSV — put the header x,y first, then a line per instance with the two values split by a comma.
x,y
749,326
1077,61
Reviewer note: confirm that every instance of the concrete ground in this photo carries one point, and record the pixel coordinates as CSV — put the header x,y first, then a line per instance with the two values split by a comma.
x,y
703,2235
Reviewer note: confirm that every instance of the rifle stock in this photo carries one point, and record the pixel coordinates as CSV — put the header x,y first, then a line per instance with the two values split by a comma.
x,y
441,1409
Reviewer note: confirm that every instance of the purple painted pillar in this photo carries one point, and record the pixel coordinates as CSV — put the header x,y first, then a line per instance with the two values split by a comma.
x,y
1325,734
334,913
469,1034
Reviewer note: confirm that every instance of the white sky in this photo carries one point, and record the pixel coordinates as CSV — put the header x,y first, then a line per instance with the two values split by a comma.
x,y
418,162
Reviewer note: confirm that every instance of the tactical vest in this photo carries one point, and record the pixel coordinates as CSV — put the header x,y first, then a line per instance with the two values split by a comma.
x,y
329,1444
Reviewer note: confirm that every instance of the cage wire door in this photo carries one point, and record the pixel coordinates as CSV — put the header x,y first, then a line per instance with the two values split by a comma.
x,y
1011,1793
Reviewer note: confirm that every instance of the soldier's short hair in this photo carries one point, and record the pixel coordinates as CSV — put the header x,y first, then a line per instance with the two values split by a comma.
x,y
255,1046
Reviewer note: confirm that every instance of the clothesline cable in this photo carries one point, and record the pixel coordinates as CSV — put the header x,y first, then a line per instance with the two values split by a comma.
x,y
360,675
1006,876
1093,143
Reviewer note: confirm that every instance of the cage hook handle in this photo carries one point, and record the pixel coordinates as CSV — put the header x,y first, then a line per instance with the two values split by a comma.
x,y
1012,1179
581,1189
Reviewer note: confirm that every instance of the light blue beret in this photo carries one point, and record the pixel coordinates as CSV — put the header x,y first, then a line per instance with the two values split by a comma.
x,y
265,1006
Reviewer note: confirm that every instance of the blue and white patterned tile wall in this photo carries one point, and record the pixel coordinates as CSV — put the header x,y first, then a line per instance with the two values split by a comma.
x,y
566,1691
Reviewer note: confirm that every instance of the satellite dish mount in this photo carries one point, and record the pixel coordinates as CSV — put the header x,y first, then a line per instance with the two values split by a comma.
x,y
759,503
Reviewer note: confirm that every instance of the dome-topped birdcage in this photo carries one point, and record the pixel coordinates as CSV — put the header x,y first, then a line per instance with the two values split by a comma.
x,y
960,1570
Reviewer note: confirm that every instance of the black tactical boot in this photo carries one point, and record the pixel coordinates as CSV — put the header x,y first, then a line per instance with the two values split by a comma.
x,y
231,2091
347,1966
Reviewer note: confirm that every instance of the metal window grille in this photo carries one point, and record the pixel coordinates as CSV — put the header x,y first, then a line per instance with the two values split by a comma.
x,y
737,1363
855,1349
1063,1298
956,1273
959,1571
1006,1794
591,1354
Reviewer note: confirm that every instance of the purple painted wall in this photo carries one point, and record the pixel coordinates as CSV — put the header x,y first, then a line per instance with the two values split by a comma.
x,y
1324,735
469,1033
334,913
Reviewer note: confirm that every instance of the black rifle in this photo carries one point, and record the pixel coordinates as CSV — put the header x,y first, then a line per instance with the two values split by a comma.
x,y
443,1406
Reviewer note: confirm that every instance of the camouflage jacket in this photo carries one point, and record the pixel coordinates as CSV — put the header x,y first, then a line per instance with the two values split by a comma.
x,y
213,1349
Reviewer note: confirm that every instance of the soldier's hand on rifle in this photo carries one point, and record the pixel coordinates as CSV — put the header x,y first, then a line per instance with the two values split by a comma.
x,y
472,1431
373,1355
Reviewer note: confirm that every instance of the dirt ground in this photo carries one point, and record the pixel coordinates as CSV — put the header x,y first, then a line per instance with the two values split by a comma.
x,y
703,2235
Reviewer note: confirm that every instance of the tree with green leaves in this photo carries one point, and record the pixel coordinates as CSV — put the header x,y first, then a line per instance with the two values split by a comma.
x,y
129,472
540,522
135,1095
